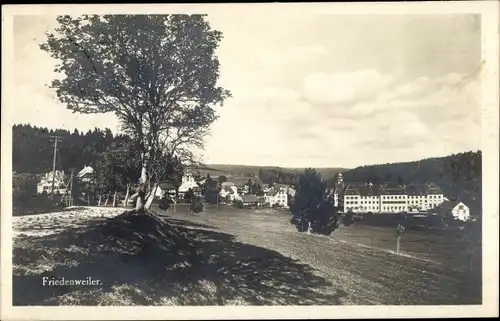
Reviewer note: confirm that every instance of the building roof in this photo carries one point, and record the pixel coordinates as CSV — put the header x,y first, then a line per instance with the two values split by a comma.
x,y
363,190
447,206
433,189
416,190
369,190
392,189
272,192
249,198
351,189
86,170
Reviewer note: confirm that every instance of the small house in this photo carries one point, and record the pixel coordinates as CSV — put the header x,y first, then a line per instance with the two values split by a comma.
x,y
455,209
85,175
249,200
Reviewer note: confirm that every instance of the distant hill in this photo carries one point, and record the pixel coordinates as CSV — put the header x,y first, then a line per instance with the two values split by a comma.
x,y
328,173
253,170
458,175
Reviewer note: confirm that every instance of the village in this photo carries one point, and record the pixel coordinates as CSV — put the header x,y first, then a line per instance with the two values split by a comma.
x,y
178,170
356,199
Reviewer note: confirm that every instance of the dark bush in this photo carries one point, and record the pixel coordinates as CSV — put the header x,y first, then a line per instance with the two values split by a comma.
x,y
312,204
238,204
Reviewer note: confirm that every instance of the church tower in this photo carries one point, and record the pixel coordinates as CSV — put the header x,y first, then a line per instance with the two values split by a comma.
x,y
339,192
340,180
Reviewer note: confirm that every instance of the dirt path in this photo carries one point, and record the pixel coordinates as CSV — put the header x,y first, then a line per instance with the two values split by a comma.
x,y
344,271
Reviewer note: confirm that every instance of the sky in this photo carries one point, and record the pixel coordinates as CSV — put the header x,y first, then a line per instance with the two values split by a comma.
x,y
311,90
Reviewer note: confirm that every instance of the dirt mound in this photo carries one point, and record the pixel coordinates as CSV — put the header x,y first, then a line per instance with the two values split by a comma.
x,y
128,251
146,236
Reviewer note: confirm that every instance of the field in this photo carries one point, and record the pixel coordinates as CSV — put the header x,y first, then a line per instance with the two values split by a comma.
x,y
226,256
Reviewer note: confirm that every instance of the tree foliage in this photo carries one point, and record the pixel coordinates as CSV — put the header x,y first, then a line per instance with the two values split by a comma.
x,y
272,176
118,167
312,204
157,73
32,149
211,190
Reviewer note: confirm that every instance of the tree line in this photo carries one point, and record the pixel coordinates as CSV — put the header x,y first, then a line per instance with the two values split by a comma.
x,y
33,150
277,176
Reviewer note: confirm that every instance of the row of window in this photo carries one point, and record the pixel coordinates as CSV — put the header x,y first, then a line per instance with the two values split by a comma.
x,y
410,202
394,202
394,196
394,208
425,196
376,208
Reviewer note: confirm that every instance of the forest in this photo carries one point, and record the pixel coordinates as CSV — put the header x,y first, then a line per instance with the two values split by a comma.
x,y
278,176
33,148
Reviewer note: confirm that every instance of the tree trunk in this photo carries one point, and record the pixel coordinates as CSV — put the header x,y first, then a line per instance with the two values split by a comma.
x,y
151,197
126,196
139,205
107,199
99,201
115,198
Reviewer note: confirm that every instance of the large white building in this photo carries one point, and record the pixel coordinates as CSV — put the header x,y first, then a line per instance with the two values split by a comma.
x,y
387,198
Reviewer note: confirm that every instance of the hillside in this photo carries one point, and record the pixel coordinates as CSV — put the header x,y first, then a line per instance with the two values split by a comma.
x,y
33,148
458,175
253,170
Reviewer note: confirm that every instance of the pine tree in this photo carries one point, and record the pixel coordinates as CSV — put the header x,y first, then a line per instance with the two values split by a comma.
x,y
312,204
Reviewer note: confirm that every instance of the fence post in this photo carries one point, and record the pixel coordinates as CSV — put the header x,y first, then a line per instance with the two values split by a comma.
x,y
399,231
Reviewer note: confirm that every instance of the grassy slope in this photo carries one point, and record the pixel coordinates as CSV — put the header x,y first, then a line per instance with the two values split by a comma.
x,y
242,258
356,265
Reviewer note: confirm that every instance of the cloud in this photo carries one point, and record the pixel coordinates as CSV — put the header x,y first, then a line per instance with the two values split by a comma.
x,y
371,115
344,87
308,86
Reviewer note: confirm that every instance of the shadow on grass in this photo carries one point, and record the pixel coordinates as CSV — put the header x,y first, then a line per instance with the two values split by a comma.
x,y
187,224
150,262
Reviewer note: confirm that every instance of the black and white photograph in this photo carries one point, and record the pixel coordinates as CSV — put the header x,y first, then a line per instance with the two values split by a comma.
x,y
231,156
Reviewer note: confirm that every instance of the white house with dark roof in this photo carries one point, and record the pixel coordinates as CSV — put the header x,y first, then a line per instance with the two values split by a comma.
x,y
188,182
276,196
230,185
45,184
227,193
455,209
85,175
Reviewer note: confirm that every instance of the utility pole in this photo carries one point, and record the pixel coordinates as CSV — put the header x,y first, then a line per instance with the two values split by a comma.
x,y
55,138
71,188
